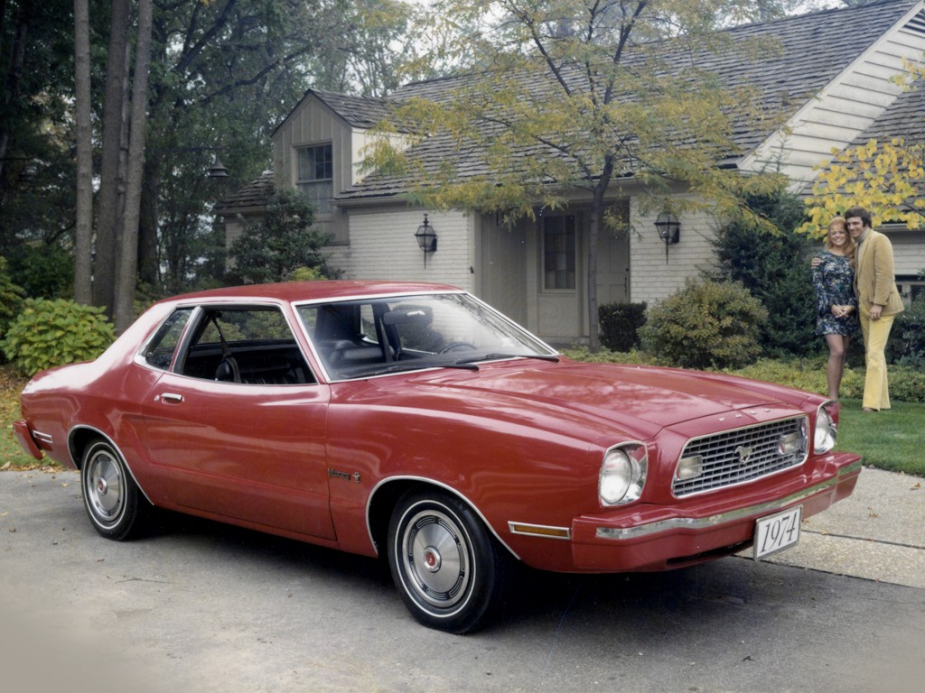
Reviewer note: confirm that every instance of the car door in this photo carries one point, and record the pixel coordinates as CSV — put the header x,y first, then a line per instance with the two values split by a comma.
x,y
248,449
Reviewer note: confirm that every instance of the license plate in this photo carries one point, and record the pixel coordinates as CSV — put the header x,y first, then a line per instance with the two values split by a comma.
x,y
777,532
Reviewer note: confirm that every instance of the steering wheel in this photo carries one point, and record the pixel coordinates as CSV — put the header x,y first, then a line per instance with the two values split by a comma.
x,y
453,346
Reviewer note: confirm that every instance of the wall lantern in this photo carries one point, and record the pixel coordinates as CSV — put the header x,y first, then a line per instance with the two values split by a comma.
x,y
426,238
217,170
669,230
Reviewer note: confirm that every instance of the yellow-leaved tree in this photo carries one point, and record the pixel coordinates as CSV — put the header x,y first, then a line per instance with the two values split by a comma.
x,y
888,178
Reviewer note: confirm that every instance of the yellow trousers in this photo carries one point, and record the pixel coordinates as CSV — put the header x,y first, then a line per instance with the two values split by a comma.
x,y
876,386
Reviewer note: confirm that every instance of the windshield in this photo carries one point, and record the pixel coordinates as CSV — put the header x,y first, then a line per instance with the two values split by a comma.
x,y
361,338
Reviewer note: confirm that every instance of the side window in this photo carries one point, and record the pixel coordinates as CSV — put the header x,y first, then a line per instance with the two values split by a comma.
x,y
251,346
316,174
161,348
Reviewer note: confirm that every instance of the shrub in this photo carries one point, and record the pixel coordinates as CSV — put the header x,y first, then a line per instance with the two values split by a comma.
x,y
620,323
634,357
43,270
907,384
907,338
53,332
706,325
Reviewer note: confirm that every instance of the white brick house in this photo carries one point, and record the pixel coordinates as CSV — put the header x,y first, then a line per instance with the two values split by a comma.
x,y
834,69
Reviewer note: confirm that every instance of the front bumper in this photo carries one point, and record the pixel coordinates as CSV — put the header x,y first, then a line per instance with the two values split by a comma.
x,y
25,439
661,538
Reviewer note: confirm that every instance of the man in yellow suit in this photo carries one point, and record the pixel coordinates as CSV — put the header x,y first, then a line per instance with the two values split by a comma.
x,y
879,303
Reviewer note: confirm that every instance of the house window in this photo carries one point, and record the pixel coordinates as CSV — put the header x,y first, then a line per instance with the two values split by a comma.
x,y
316,176
559,249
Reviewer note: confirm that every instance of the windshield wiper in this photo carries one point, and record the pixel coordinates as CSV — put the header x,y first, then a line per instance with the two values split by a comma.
x,y
411,366
498,356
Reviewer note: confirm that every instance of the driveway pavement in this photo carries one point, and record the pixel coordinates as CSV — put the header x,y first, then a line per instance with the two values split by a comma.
x,y
201,607
878,533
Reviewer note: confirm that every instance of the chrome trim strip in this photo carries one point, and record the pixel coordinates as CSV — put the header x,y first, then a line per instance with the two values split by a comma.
x,y
616,534
691,494
46,438
431,482
84,427
524,527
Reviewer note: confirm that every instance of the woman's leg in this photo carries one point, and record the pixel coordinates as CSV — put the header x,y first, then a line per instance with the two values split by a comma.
x,y
838,348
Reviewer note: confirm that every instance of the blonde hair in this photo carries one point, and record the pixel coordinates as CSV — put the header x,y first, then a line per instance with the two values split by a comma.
x,y
850,246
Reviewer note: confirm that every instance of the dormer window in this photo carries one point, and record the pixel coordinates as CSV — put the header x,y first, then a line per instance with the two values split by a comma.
x,y
316,176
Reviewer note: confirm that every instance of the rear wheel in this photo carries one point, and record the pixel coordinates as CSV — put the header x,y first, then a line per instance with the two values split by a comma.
x,y
446,565
112,498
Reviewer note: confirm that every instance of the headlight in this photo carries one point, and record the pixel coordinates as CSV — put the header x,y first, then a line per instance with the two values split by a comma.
x,y
826,428
623,474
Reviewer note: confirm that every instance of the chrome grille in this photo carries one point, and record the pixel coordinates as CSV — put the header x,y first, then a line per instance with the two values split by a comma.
x,y
726,458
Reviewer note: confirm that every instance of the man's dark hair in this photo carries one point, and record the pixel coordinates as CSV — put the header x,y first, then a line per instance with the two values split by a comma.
x,y
860,212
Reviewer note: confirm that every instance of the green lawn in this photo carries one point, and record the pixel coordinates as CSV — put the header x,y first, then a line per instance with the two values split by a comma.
x,y
893,440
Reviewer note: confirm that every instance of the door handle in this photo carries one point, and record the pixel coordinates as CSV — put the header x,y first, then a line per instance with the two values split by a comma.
x,y
171,397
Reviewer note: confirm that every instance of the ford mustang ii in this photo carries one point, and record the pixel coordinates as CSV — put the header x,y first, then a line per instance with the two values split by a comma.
x,y
413,421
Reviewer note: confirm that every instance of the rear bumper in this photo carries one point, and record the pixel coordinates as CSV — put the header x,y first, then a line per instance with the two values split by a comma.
x,y
25,439
661,538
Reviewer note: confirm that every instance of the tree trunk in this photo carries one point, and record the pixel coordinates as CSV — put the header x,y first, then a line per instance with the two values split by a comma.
x,y
128,255
598,208
148,260
84,230
104,266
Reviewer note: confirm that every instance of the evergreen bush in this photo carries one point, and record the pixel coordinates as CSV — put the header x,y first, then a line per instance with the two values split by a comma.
x,y
10,298
706,325
776,270
284,241
620,323
54,332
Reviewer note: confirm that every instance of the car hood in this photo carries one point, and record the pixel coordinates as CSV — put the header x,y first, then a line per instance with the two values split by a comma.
x,y
641,397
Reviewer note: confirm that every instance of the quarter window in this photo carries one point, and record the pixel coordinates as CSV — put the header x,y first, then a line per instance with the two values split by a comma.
x,y
316,176
161,348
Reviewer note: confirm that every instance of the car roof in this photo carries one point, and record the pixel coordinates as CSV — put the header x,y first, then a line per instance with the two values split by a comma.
x,y
315,290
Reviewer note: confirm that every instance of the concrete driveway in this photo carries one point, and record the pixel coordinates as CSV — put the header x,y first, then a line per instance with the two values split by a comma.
x,y
204,607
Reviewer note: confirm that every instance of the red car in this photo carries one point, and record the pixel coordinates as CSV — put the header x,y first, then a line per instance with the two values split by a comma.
x,y
414,421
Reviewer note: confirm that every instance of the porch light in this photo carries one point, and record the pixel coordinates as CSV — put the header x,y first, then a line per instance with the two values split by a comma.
x,y
669,230
426,238
217,170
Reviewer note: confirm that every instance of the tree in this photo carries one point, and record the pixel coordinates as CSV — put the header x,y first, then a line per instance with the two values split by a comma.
x,y
127,268
111,166
282,242
888,178
567,96
222,75
83,233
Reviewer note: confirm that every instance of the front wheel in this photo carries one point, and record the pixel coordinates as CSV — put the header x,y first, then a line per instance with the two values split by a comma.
x,y
446,565
112,498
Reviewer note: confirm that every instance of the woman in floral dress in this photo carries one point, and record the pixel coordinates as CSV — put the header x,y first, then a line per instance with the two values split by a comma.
x,y
836,303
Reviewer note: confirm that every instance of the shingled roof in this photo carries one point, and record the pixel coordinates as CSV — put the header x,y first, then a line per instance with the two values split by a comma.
x,y
810,51
358,111
252,197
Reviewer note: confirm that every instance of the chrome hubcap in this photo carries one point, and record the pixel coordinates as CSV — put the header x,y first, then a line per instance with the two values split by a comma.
x,y
105,487
436,559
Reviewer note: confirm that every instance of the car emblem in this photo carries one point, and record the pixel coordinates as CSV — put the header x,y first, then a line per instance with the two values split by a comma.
x,y
744,453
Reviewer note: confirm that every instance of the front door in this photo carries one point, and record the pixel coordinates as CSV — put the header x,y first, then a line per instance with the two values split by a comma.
x,y
559,315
